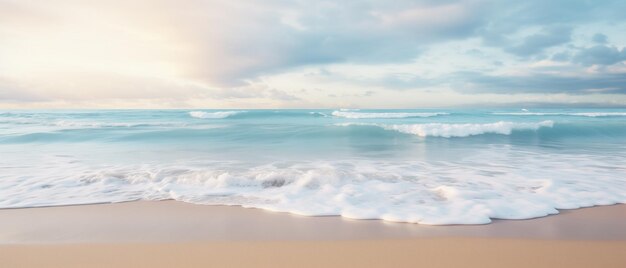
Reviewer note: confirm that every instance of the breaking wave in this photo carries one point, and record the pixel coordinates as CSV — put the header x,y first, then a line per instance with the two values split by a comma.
x,y
486,185
599,114
213,115
456,130
362,115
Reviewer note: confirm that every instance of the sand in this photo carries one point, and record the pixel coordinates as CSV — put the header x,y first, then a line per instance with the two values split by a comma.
x,y
175,234
423,252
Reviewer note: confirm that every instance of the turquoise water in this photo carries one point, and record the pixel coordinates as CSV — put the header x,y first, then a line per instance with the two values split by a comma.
x,y
424,166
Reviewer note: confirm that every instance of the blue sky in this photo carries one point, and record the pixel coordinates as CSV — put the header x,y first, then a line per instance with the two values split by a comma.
x,y
311,54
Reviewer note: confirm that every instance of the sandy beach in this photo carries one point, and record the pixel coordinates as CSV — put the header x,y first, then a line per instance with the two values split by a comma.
x,y
176,234
312,133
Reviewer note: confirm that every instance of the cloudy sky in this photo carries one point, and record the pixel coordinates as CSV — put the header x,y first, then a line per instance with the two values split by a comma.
x,y
311,53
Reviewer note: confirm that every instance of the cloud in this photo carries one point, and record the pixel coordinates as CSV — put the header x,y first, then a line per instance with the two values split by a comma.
x,y
248,50
227,43
507,22
537,43
279,36
600,54
253,90
600,38
473,82
545,104
561,56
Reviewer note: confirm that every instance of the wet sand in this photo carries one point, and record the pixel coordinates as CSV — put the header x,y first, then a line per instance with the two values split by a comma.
x,y
175,234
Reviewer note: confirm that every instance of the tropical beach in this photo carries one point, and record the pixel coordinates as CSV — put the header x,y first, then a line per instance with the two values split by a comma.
x,y
432,167
312,133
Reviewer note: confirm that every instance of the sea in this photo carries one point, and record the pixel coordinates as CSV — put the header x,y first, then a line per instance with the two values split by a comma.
x,y
426,166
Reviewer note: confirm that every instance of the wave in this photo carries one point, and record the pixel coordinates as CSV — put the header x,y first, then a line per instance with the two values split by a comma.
x,y
485,185
213,115
457,130
366,170
318,114
590,114
361,115
88,124
74,124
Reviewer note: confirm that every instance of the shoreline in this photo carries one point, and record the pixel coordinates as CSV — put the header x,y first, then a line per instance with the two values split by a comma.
x,y
175,234
175,221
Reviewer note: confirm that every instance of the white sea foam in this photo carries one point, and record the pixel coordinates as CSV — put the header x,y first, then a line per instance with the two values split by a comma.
x,y
301,164
590,114
498,182
213,115
362,115
457,130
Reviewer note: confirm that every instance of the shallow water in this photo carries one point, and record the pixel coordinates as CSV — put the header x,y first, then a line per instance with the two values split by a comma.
x,y
423,166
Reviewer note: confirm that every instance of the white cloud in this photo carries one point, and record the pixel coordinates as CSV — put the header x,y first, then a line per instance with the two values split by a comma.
x,y
258,53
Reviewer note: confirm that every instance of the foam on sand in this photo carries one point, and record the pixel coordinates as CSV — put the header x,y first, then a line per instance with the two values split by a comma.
x,y
487,185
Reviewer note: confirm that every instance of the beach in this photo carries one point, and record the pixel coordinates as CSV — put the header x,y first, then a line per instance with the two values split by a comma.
x,y
264,133
313,188
177,234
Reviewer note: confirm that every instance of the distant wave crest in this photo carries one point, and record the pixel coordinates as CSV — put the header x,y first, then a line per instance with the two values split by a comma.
x,y
79,124
591,114
362,115
213,115
457,130
318,114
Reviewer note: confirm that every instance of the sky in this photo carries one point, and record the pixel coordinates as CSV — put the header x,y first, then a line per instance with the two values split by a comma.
x,y
312,54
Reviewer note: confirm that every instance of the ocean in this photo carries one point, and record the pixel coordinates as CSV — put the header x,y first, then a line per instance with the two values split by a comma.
x,y
427,166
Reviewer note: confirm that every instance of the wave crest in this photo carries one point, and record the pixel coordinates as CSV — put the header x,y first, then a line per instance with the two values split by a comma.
x,y
590,114
213,115
360,115
457,130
